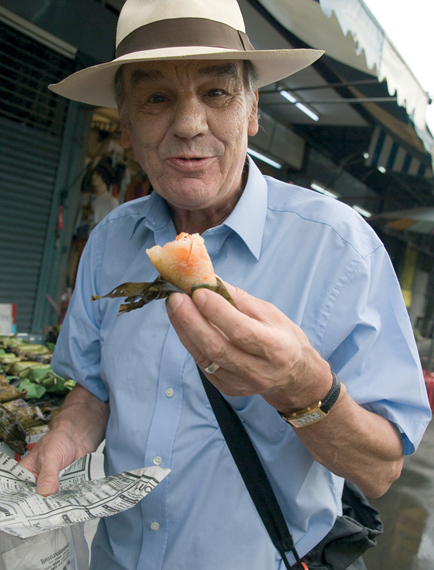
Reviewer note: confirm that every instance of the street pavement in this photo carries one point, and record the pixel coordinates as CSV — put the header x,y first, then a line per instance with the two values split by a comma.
x,y
407,509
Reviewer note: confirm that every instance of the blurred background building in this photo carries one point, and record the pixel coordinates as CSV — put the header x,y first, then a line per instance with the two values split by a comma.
x,y
352,126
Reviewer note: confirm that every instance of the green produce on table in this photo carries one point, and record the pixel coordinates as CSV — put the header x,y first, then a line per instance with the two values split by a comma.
x,y
35,348
17,367
32,350
38,430
8,392
28,416
10,341
8,358
32,390
11,431
56,384
36,372
50,405
14,405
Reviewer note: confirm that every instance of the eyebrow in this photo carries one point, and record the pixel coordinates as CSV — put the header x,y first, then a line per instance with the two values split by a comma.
x,y
138,76
216,70
220,70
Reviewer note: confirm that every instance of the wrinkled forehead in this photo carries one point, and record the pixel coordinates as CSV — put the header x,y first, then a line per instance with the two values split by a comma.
x,y
190,70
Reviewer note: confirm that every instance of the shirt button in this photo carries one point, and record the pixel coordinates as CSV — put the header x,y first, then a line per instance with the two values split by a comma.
x,y
169,392
157,460
155,526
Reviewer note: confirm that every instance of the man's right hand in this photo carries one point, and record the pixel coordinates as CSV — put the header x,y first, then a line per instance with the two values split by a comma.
x,y
76,431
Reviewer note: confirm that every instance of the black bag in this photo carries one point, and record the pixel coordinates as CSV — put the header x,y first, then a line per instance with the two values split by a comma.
x,y
352,534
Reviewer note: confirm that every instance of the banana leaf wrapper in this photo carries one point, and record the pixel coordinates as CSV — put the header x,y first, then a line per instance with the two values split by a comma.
x,y
8,358
139,294
37,349
10,341
50,405
37,372
11,431
7,391
14,405
39,358
38,430
47,402
28,416
20,367
55,384
30,389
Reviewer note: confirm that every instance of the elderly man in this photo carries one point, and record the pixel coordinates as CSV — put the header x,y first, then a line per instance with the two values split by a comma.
x,y
316,298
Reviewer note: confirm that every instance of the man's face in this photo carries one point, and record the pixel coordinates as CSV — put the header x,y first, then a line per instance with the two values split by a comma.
x,y
188,124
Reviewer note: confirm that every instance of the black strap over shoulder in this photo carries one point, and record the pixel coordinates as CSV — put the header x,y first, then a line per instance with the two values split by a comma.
x,y
252,472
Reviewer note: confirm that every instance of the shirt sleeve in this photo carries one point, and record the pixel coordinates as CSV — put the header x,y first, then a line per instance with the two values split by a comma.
x,y
78,353
370,345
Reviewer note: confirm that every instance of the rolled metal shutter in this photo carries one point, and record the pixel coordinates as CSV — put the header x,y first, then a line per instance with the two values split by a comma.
x,y
32,121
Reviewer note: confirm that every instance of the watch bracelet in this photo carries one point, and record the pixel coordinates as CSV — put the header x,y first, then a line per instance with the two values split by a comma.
x,y
316,411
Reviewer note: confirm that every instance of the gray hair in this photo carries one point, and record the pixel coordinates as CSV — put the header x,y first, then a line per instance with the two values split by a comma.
x,y
250,79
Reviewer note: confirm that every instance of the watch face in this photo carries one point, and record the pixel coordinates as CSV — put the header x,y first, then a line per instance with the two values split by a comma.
x,y
309,418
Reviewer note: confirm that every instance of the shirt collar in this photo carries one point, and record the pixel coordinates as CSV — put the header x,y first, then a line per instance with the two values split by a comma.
x,y
247,219
155,214
248,216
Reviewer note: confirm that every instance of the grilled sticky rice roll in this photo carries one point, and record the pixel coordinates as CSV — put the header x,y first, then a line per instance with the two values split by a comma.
x,y
184,262
183,265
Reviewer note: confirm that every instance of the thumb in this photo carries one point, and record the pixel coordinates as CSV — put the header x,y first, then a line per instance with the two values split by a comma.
x,y
48,481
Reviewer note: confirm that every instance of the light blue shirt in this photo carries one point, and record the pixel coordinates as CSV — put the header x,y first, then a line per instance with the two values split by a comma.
x,y
319,263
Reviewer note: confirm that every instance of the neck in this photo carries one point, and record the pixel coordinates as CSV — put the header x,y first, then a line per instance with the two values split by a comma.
x,y
198,221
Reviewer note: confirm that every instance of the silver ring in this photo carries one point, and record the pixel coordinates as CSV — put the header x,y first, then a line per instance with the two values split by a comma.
x,y
213,367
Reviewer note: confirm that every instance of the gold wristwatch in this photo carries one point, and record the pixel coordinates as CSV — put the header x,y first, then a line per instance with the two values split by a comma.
x,y
316,411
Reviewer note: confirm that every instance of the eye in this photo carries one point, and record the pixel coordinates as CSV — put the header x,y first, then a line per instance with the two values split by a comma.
x,y
215,93
157,99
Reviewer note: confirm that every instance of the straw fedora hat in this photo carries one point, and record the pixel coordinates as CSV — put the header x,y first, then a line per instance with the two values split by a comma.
x,y
150,30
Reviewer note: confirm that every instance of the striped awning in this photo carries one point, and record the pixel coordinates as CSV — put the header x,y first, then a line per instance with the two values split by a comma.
x,y
349,33
385,151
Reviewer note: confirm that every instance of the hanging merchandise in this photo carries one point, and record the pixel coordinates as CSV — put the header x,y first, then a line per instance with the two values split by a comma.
x,y
99,195
111,176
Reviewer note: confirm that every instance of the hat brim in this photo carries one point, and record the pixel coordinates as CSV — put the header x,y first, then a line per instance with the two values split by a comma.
x,y
95,85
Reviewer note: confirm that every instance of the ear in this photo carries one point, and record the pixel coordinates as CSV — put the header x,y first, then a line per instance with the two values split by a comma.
x,y
253,125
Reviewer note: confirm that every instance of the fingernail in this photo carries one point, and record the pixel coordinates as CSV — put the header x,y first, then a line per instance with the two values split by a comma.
x,y
174,300
45,489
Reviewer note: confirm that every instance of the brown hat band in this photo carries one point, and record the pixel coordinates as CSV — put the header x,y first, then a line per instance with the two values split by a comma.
x,y
180,32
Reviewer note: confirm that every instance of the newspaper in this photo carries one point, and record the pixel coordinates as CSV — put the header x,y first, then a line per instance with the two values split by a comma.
x,y
81,497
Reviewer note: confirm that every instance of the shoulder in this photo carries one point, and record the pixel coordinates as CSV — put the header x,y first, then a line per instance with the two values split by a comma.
x,y
325,217
124,216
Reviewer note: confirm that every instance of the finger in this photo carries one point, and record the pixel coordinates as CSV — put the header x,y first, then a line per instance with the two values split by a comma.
x,y
241,372
201,338
45,461
48,481
183,326
28,463
252,306
246,332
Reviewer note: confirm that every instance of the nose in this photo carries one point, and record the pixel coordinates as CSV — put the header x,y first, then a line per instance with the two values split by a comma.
x,y
190,118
